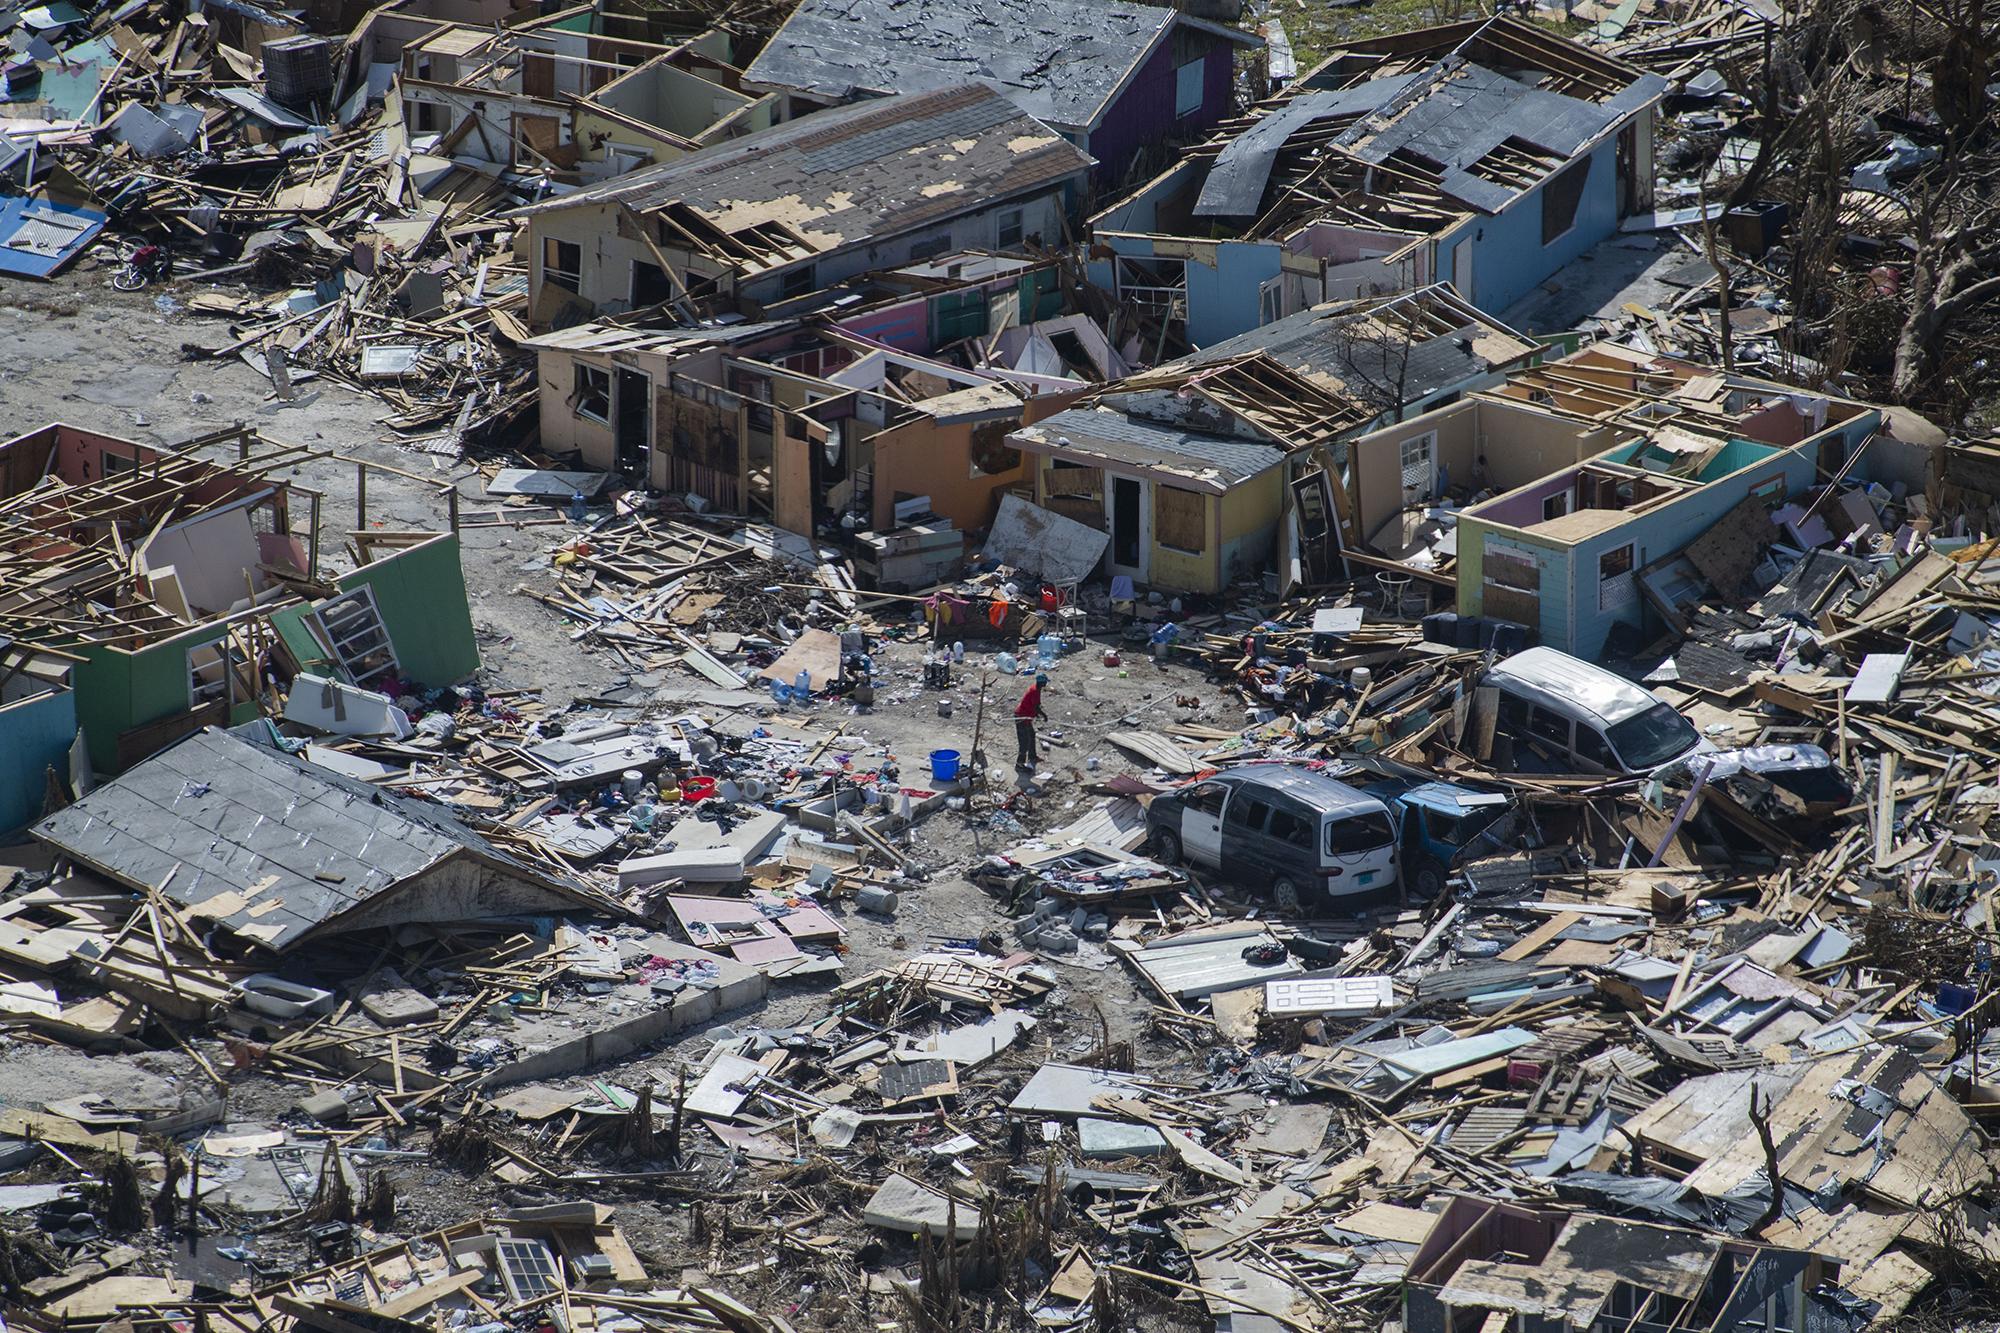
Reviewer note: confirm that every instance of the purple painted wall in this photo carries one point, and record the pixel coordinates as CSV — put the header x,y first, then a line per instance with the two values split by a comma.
x,y
1523,508
1144,112
905,326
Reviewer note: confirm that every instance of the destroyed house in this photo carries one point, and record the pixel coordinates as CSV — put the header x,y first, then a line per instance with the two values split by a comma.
x,y
169,590
1184,468
822,431
555,95
1490,1267
1403,353
1112,77
278,852
1487,153
784,212
1565,498
1187,467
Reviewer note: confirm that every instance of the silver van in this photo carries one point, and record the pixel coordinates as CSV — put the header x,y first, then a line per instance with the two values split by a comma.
x,y
1311,838
1576,717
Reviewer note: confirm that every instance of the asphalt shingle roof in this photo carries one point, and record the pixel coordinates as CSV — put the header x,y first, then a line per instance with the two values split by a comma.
x,y
1212,462
854,173
1060,60
267,844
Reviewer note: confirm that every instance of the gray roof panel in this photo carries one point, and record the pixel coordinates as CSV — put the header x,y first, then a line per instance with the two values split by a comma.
x,y
1059,60
1213,461
857,173
267,844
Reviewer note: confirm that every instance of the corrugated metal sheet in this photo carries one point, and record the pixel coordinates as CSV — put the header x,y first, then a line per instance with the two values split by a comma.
x,y
1196,968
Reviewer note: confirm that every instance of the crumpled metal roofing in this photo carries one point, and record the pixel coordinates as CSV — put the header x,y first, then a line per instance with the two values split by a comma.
x,y
1453,114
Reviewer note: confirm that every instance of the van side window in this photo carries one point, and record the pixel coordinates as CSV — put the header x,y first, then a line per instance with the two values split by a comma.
x,y
1247,812
1551,727
1291,826
1353,834
1207,798
1513,713
1592,748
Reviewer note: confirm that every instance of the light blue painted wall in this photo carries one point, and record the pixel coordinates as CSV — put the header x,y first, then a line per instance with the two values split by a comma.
x,y
1222,301
35,734
1662,532
1509,259
1222,297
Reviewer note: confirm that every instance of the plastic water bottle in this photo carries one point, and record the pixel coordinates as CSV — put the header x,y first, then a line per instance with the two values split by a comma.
x,y
781,693
1006,663
958,651
802,685
1048,646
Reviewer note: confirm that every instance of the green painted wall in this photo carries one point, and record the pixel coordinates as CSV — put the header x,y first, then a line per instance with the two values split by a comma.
x,y
117,691
421,594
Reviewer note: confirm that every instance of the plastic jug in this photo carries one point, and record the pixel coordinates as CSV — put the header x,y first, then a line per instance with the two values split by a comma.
x,y
1006,663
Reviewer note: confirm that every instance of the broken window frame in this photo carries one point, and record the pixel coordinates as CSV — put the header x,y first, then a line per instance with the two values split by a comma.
x,y
1562,200
797,282
225,656
585,395
1163,291
1009,226
364,667
555,272
926,250
528,1268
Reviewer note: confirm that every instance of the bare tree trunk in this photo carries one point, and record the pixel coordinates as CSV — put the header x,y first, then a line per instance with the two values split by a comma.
x,y
1760,1116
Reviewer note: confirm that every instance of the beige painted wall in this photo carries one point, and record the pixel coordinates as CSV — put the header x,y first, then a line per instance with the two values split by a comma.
x,y
923,457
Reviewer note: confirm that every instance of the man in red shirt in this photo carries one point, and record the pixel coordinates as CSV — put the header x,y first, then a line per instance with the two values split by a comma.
x,y
1025,714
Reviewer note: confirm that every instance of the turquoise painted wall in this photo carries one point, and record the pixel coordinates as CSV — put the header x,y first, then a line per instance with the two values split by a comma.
x,y
35,735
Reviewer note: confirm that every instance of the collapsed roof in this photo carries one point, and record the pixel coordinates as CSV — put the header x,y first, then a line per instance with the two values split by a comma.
x,y
1419,129
1408,346
280,851
840,177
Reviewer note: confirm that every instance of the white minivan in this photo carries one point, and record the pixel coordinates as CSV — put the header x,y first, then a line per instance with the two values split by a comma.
x,y
1309,839
1576,717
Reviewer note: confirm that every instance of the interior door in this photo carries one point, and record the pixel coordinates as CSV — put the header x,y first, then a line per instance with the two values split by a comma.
x,y
1128,544
1461,268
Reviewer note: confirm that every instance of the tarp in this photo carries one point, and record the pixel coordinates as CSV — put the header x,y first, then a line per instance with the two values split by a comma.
x,y
39,236
1042,543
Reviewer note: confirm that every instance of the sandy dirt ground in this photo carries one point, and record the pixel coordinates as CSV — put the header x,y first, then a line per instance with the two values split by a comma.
x,y
82,353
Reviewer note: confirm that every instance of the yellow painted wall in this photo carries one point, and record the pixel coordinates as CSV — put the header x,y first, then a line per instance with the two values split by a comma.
x,y
1249,515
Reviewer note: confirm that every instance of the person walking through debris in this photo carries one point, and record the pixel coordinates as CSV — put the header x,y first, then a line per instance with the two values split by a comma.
x,y
1025,714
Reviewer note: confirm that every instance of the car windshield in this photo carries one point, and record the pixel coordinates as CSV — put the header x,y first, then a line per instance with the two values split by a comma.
x,y
1358,833
1652,738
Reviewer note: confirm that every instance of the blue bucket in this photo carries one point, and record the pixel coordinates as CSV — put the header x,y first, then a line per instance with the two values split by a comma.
x,y
944,765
